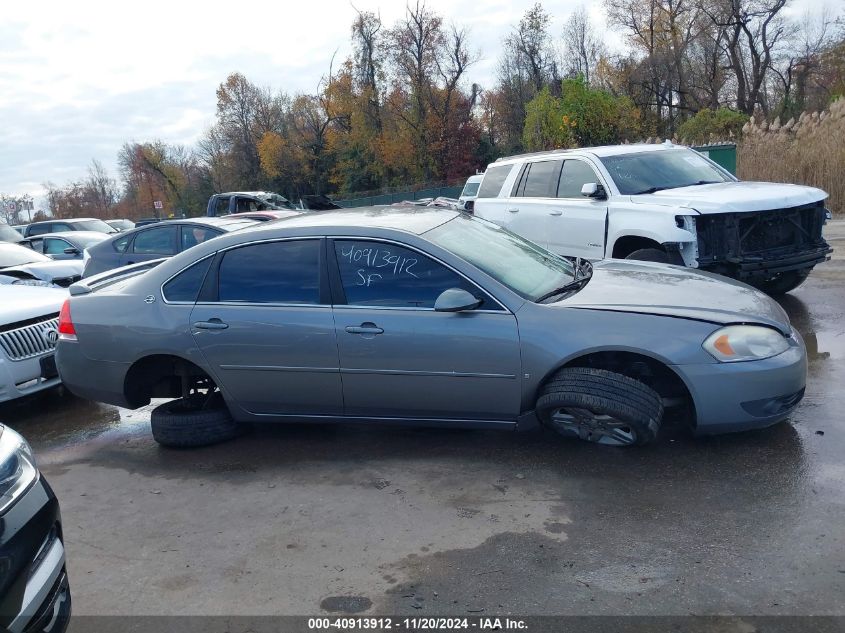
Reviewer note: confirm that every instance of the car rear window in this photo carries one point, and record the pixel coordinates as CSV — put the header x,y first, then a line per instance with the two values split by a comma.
x,y
272,272
494,178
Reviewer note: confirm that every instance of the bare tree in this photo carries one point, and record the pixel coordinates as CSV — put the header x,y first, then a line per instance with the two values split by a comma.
x,y
583,47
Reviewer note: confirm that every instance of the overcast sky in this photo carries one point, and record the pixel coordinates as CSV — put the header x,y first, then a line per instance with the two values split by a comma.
x,y
78,79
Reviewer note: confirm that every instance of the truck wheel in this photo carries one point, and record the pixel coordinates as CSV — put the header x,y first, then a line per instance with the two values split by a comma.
x,y
650,255
783,283
185,423
600,406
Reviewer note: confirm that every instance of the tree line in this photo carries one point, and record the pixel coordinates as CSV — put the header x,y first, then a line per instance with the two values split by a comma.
x,y
399,110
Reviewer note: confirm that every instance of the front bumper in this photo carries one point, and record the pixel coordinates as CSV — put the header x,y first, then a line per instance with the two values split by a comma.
x,y
752,266
34,591
731,397
20,378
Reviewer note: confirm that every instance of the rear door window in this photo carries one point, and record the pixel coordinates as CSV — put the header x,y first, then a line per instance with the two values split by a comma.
x,y
61,227
40,229
158,241
539,179
186,285
272,272
494,178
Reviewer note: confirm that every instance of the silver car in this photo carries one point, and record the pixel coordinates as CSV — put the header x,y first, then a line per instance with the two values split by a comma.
x,y
424,316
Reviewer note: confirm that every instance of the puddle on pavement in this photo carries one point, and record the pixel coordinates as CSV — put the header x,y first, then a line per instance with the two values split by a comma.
x,y
825,345
57,418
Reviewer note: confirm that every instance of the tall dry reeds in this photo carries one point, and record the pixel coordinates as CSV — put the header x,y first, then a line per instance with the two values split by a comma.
x,y
809,151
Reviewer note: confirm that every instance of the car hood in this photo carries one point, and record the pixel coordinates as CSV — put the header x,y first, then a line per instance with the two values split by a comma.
x,y
62,273
734,197
650,288
21,303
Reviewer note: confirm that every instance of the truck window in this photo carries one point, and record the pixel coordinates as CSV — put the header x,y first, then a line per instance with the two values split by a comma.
x,y
494,178
575,174
539,179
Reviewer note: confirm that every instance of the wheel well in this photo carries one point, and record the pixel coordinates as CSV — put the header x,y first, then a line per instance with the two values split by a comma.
x,y
160,376
647,370
626,245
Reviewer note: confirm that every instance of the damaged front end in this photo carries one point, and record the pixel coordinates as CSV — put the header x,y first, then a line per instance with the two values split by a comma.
x,y
761,245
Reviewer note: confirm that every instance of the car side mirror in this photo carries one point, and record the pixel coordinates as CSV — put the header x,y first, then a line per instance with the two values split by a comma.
x,y
456,300
593,190
71,251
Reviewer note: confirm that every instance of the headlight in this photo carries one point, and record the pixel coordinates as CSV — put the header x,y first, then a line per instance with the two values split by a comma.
x,y
745,342
17,467
32,282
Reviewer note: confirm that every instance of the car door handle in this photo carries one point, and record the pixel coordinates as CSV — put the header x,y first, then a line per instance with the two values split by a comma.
x,y
556,212
513,210
364,328
211,324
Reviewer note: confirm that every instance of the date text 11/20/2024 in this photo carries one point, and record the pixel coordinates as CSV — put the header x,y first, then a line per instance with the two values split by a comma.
x,y
417,624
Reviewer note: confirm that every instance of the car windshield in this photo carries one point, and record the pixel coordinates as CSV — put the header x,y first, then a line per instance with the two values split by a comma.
x,y
8,234
94,225
277,201
470,189
84,241
14,255
524,267
647,172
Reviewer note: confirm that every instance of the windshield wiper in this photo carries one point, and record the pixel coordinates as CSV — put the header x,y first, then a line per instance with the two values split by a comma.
x,y
584,269
650,190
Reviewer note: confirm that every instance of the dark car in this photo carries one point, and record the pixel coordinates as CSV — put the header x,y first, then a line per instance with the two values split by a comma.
x,y
162,239
34,590
60,226
68,245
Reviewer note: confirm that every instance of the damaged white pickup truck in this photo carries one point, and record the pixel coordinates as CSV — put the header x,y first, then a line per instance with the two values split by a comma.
x,y
659,203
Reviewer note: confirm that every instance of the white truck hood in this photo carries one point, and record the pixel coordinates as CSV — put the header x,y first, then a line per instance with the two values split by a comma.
x,y
733,197
20,303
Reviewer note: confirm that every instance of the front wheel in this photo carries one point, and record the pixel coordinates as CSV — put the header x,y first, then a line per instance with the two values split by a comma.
x,y
782,283
600,406
193,421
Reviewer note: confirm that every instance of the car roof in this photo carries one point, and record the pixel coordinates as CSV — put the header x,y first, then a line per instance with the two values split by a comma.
x,y
475,178
228,223
247,193
70,235
416,220
67,220
600,151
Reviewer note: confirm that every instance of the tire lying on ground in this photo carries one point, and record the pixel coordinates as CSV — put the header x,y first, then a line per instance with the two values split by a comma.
x,y
182,423
600,406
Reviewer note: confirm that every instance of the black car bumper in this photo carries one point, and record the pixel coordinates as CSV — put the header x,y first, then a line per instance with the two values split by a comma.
x,y
34,592
770,264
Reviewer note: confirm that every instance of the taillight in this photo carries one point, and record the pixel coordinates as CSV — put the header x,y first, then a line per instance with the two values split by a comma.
x,y
66,329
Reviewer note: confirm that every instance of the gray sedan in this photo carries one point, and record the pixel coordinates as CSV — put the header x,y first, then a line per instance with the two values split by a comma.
x,y
424,316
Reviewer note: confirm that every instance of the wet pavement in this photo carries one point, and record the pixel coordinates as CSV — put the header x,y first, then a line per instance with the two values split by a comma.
x,y
371,520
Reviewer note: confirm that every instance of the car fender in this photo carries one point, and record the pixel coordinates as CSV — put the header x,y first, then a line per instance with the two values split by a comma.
x,y
658,225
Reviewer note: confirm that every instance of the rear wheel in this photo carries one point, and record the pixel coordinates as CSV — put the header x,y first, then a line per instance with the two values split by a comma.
x,y
600,406
782,283
650,255
198,420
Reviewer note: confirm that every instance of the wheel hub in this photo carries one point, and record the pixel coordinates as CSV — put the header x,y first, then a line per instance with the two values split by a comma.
x,y
600,428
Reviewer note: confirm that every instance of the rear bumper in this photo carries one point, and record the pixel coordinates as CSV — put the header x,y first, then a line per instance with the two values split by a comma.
x,y
23,377
101,381
731,397
35,592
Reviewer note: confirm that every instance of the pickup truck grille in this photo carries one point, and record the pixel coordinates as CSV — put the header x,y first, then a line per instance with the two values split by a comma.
x,y
28,339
